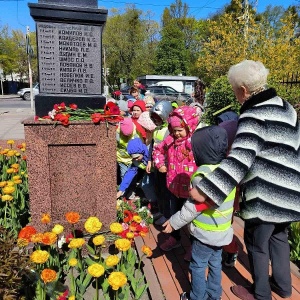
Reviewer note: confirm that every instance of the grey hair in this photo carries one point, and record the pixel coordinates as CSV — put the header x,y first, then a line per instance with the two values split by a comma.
x,y
248,73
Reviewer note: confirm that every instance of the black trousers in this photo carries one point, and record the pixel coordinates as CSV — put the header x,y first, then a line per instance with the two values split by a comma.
x,y
268,242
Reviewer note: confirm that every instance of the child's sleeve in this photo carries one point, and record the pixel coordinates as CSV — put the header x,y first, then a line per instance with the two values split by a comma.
x,y
185,216
128,177
199,206
158,155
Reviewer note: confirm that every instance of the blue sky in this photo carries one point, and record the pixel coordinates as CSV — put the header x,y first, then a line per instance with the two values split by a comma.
x,y
15,13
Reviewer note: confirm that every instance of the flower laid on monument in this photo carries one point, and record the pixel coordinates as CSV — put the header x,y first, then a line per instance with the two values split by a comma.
x,y
117,275
64,114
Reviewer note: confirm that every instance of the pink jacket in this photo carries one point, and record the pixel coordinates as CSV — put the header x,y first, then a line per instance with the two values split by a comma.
x,y
177,154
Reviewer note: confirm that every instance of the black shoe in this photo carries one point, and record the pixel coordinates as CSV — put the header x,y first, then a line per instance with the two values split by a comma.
x,y
277,290
230,260
185,296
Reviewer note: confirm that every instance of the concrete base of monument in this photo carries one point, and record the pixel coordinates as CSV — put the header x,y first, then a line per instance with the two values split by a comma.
x,y
45,102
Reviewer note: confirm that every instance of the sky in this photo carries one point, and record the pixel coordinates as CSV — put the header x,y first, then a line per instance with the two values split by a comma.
x,y
15,13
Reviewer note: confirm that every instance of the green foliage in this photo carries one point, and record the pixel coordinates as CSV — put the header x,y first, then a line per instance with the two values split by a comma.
x,y
13,265
13,57
14,213
294,240
171,54
288,92
219,95
129,41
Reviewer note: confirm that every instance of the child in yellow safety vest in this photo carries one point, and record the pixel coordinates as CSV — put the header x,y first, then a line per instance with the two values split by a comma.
x,y
209,226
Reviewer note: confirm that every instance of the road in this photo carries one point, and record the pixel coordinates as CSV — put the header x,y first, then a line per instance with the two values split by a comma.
x,y
15,102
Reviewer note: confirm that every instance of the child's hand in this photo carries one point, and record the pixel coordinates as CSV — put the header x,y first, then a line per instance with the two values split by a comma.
x,y
168,227
197,196
119,194
149,166
163,169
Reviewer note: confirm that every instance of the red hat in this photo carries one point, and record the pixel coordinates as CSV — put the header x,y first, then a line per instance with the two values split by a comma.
x,y
140,103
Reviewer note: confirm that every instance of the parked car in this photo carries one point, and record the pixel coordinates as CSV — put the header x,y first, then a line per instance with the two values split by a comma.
x,y
25,93
162,92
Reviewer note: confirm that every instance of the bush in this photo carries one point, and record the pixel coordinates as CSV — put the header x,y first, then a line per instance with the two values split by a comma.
x,y
220,95
294,240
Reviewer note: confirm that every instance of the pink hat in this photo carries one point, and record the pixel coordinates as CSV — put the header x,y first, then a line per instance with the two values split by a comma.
x,y
129,104
126,126
175,121
146,121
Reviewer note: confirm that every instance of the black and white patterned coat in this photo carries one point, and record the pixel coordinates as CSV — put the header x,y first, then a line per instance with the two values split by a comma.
x,y
264,159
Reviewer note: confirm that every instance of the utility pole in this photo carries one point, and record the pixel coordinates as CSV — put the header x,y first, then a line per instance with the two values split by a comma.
x,y
29,52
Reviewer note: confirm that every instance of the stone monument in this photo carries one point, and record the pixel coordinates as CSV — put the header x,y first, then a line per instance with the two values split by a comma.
x,y
69,38
70,168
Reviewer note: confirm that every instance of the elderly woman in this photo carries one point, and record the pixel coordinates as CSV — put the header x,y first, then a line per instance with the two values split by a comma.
x,y
265,161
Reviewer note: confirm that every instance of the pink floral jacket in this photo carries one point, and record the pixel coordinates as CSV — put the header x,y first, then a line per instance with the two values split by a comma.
x,y
177,154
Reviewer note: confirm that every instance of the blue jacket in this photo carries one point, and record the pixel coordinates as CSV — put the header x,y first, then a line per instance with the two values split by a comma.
x,y
134,146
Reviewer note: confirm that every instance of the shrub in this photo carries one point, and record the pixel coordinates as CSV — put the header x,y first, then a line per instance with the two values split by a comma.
x,y
220,95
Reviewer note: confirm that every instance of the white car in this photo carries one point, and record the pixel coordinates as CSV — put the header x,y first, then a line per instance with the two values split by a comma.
x,y
25,93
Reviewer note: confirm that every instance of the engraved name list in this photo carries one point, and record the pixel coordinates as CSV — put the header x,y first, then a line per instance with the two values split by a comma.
x,y
69,58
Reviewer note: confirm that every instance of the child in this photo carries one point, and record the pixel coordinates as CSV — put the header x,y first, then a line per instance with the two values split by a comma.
x,y
159,114
125,132
136,110
135,93
174,156
139,153
149,102
210,228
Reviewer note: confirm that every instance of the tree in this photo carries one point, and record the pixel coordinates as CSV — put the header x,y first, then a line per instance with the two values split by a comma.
x,y
179,44
13,57
129,40
229,43
171,56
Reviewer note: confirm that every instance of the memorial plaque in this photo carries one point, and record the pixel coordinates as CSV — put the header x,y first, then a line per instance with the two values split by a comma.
x,y
72,3
69,58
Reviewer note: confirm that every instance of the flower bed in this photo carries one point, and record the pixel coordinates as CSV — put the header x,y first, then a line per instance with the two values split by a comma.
x,y
57,254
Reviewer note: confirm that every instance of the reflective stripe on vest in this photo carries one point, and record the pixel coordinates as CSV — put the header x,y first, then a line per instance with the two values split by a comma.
x,y
122,140
160,134
210,219
139,164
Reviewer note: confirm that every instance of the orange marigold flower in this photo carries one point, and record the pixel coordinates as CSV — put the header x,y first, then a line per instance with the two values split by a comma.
x,y
130,235
46,219
72,217
22,242
37,238
127,216
3,184
15,166
27,232
10,171
137,219
147,251
48,275
49,238
142,234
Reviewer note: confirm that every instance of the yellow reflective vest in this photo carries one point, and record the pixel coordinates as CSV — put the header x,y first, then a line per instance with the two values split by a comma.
x,y
210,219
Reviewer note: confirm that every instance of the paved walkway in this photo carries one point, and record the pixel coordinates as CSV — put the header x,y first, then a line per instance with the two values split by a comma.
x,y
11,126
